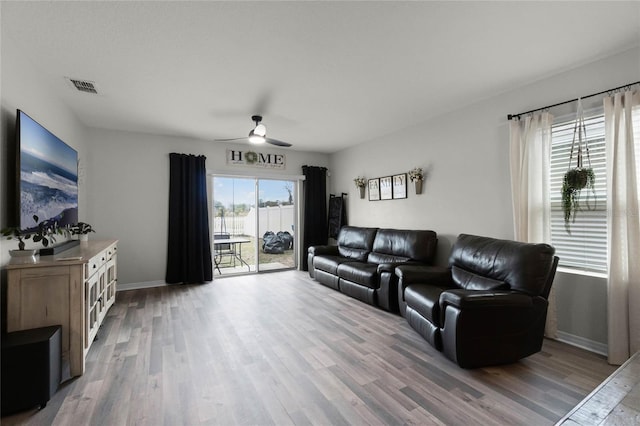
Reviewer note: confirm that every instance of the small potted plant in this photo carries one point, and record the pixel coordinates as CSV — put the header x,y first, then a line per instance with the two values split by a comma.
x,y
43,233
416,176
81,229
361,184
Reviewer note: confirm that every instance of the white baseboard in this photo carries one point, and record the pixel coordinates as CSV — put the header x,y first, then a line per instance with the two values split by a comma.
x,y
136,286
581,342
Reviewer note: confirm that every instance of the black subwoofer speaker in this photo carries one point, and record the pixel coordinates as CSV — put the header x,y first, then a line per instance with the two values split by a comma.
x,y
31,367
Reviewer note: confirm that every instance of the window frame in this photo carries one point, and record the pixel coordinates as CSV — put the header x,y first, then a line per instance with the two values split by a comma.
x,y
601,272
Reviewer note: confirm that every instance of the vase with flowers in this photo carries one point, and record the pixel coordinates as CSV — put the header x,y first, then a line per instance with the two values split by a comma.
x,y
361,184
417,176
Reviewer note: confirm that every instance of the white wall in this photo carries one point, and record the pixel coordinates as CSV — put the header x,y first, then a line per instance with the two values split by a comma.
x,y
128,182
467,188
29,89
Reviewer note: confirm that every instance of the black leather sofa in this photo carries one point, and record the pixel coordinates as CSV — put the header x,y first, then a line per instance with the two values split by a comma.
x,y
362,264
488,307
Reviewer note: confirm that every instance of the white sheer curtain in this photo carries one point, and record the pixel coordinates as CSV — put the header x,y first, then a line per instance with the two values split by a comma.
x,y
623,221
530,157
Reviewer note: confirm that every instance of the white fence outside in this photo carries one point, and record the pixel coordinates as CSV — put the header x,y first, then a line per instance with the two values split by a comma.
x,y
233,225
278,218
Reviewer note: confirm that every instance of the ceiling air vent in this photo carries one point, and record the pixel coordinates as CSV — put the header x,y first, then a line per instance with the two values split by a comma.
x,y
83,85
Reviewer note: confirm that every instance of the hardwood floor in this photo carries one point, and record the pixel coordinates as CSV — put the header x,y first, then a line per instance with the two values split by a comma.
x,y
282,349
616,401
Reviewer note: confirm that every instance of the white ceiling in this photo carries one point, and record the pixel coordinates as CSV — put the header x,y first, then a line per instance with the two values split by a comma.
x,y
325,75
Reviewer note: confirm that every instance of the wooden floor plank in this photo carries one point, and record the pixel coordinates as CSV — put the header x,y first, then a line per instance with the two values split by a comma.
x,y
616,401
282,349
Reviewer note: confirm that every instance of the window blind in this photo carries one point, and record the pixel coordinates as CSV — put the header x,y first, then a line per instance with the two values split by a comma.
x,y
584,247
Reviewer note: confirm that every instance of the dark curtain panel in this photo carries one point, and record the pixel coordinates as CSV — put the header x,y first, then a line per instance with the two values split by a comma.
x,y
315,209
189,251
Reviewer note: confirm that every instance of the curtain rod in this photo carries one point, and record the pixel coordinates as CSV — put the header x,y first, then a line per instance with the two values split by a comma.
x,y
511,116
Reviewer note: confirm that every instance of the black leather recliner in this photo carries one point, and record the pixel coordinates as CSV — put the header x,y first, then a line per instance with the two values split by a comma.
x,y
489,307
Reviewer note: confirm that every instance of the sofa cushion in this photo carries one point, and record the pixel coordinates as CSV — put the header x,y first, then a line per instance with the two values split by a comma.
x,y
365,274
355,243
328,263
472,281
521,266
425,299
400,245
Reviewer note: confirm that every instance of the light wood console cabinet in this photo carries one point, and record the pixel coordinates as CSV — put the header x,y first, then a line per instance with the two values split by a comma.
x,y
74,289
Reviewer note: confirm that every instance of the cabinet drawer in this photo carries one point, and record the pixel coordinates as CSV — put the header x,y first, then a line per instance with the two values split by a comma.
x,y
44,272
111,251
95,263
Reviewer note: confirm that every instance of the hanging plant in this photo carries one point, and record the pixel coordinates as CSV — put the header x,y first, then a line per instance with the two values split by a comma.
x,y
578,178
574,181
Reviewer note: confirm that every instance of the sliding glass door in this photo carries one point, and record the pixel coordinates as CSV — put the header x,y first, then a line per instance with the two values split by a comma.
x,y
234,247
253,224
276,224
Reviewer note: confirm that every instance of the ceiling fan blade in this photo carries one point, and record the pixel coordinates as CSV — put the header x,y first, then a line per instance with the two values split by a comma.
x,y
229,140
277,142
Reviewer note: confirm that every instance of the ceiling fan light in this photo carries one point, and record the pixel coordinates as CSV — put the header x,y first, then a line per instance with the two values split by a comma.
x,y
256,138
260,130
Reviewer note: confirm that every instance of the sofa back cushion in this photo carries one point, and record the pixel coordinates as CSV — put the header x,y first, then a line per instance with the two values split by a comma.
x,y
483,263
473,281
355,242
400,245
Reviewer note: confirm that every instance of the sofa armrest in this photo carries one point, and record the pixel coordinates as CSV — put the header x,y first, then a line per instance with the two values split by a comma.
x,y
387,267
316,250
391,266
388,291
483,299
420,274
490,327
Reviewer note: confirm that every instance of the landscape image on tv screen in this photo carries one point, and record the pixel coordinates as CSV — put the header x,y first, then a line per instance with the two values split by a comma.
x,y
48,176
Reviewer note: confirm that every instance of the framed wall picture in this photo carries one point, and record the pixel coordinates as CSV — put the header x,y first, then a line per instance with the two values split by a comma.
x,y
374,189
386,188
399,186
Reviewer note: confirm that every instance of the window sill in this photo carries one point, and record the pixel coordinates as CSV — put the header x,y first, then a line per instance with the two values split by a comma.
x,y
573,271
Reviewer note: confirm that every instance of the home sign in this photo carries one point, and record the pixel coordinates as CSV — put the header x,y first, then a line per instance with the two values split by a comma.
x,y
256,159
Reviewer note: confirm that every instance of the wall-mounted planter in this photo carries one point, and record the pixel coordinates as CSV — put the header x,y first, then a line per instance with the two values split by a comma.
x,y
418,187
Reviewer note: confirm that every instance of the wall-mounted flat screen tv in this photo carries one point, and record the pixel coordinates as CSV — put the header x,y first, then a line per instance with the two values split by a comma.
x,y
48,175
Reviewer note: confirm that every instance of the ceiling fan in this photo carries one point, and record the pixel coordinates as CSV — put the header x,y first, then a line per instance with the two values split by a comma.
x,y
258,134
